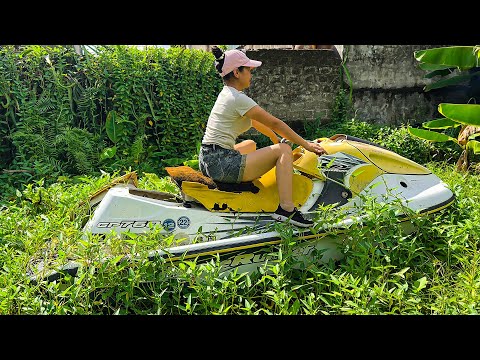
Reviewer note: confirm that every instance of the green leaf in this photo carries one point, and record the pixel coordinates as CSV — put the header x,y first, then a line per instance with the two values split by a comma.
x,y
462,57
430,135
108,153
443,123
173,161
474,145
468,114
454,80
420,284
473,136
401,272
438,72
357,172
192,163
434,67
113,126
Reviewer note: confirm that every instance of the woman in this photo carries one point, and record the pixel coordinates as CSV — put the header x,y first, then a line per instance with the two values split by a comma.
x,y
233,113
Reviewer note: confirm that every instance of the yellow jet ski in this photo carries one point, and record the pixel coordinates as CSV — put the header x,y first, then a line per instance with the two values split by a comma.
x,y
234,221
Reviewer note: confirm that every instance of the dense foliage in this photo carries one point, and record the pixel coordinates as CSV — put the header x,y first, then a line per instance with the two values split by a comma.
x,y
118,108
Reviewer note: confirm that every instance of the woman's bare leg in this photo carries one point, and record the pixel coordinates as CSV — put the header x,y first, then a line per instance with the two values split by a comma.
x,y
264,159
246,146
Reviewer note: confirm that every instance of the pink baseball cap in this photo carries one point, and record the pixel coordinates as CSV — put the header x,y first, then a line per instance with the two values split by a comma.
x,y
236,58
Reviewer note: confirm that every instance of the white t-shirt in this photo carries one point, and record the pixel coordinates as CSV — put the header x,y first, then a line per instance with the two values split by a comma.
x,y
227,121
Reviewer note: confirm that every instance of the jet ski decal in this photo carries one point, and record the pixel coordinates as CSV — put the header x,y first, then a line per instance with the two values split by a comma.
x,y
339,162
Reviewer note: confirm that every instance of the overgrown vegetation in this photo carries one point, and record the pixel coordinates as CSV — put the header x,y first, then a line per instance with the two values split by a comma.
x,y
384,271
63,114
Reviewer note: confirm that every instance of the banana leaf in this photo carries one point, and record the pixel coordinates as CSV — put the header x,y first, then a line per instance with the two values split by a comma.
x,y
435,67
462,57
438,72
474,145
430,135
467,114
473,136
454,80
443,123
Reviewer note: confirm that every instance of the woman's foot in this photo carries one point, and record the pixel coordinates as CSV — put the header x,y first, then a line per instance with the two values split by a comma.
x,y
295,217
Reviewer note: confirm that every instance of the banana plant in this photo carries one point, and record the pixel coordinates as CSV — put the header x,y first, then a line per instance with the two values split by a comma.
x,y
454,65
466,116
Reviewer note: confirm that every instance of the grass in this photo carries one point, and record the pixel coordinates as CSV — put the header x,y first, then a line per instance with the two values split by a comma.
x,y
431,271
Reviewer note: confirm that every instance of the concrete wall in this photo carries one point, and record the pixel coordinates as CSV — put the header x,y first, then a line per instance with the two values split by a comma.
x,y
296,85
387,85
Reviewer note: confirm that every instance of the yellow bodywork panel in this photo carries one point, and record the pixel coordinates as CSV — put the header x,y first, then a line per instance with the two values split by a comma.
x,y
307,162
361,176
386,160
266,200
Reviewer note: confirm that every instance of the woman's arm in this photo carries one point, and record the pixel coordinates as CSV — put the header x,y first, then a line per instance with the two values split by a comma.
x,y
258,114
265,131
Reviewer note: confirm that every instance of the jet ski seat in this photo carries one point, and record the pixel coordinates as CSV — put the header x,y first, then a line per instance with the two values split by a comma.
x,y
179,174
259,195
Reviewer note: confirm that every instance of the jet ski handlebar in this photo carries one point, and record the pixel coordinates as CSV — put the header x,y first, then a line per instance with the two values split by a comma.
x,y
336,137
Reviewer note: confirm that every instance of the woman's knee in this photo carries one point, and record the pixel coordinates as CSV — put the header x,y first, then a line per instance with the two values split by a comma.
x,y
285,149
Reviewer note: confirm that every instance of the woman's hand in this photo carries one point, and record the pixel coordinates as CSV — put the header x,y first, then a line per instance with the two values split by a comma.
x,y
315,148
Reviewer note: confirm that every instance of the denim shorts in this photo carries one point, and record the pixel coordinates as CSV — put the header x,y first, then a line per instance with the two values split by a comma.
x,y
220,164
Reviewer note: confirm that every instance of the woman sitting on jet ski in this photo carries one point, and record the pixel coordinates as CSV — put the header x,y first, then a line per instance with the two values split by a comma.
x,y
233,113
